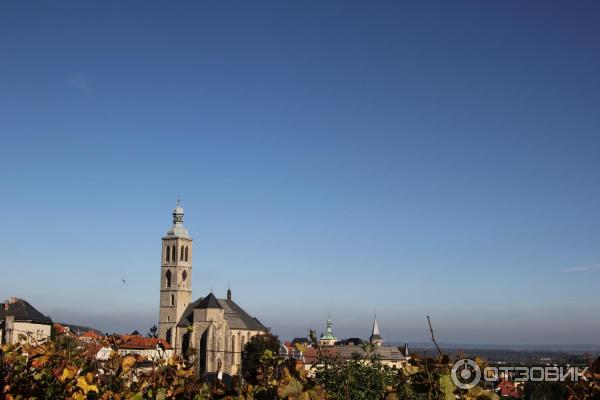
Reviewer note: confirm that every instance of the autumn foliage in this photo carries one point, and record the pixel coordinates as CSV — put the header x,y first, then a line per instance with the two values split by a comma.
x,y
68,369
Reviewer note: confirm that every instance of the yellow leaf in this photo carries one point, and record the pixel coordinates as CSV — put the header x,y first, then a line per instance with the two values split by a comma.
x,y
79,396
410,369
83,385
68,373
127,363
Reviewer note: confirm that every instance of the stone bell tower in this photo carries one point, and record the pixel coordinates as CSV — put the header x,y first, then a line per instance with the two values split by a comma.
x,y
175,277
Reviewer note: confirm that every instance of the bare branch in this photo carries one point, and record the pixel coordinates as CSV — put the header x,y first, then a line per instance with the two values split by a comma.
x,y
433,338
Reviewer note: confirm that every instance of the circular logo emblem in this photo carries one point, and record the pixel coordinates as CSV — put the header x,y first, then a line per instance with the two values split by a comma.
x,y
465,373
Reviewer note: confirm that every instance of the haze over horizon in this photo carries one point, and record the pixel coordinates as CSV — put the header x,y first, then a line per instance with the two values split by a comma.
x,y
342,158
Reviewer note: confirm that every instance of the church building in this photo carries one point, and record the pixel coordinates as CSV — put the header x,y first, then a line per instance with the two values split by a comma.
x,y
215,330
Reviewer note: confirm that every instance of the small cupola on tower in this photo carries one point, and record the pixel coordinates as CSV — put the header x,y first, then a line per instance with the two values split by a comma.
x,y
375,338
178,229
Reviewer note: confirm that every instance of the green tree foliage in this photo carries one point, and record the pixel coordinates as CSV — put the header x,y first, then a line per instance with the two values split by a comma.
x,y
359,378
257,348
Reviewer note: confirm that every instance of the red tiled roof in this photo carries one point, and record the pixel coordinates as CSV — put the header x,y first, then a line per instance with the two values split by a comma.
x,y
91,335
127,337
139,342
310,355
59,328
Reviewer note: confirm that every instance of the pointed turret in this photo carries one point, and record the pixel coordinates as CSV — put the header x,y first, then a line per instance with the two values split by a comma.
x,y
405,349
375,338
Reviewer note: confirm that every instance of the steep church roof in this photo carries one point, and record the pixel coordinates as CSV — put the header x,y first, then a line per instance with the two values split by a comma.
x,y
375,333
235,316
209,301
23,312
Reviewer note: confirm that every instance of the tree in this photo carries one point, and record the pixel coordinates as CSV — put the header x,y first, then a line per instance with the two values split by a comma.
x,y
152,333
362,377
254,351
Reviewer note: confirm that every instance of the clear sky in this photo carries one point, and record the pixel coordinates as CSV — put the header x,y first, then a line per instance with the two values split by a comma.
x,y
332,157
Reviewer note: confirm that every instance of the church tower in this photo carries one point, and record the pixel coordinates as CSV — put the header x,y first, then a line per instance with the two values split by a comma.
x,y
175,277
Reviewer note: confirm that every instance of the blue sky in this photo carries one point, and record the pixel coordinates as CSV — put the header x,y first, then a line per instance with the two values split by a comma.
x,y
437,158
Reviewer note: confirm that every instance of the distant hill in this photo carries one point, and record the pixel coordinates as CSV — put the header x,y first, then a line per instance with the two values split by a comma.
x,y
79,330
593,348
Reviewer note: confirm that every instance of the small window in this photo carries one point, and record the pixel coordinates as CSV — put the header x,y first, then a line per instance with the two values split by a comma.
x,y
172,299
181,254
173,255
186,253
168,257
183,276
168,276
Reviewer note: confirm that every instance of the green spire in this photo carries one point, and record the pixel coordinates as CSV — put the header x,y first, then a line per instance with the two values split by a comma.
x,y
329,332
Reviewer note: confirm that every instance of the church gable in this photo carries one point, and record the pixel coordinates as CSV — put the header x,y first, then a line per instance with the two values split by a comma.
x,y
235,316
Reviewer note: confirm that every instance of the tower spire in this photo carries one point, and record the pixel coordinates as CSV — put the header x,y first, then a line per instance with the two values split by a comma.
x,y
375,331
375,338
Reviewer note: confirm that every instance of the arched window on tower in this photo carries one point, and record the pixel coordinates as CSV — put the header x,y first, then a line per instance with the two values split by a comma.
x,y
168,336
186,253
181,254
168,257
168,276
183,276
173,255
172,299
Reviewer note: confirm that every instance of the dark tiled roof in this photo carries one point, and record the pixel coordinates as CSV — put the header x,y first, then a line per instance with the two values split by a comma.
x,y
300,340
350,342
387,353
235,316
209,301
23,311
